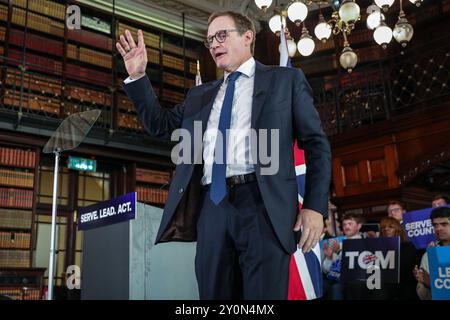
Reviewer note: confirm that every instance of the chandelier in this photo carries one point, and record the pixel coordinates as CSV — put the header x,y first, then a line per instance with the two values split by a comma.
x,y
345,15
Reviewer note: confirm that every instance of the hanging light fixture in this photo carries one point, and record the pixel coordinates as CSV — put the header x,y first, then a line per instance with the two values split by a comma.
x,y
416,2
297,12
291,46
306,44
349,11
382,35
323,29
384,4
374,17
263,4
348,58
403,31
276,22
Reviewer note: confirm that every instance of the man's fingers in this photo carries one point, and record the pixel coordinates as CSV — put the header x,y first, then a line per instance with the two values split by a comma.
x,y
124,43
130,39
298,224
304,238
141,39
121,50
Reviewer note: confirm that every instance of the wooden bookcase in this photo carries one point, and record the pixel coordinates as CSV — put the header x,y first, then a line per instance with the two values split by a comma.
x,y
152,186
18,185
68,71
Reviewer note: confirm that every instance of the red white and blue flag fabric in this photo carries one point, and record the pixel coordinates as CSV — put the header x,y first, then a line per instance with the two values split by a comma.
x,y
305,271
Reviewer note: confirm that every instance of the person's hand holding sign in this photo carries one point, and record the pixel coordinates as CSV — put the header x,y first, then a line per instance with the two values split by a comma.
x,y
422,276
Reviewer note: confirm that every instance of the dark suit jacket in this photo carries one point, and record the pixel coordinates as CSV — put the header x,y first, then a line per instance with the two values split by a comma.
x,y
282,99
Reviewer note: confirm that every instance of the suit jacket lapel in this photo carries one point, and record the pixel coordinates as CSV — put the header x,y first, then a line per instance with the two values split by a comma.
x,y
262,84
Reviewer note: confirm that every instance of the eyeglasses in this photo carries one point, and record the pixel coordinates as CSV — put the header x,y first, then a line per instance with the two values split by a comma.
x,y
220,36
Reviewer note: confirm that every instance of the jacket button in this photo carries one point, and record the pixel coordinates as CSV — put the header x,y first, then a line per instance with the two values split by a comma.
x,y
181,191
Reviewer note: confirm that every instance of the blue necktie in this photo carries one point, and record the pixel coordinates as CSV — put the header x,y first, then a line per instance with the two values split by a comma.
x,y
218,189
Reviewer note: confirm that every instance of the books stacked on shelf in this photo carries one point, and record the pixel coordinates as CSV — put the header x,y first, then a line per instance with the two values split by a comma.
x,y
177,81
150,39
15,219
153,195
17,157
36,62
21,293
3,13
152,176
2,33
14,258
153,55
32,102
88,75
104,120
16,178
38,22
125,103
47,7
84,95
90,38
16,198
129,121
43,85
35,42
173,96
169,47
89,56
14,240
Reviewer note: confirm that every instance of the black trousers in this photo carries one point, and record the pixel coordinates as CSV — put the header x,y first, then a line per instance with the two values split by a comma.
x,y
238,254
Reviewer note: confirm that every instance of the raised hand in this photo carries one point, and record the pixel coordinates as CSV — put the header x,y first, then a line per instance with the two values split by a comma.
x,y
135,57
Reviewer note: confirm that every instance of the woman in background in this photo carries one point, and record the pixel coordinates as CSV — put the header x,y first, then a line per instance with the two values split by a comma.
x,y
406,289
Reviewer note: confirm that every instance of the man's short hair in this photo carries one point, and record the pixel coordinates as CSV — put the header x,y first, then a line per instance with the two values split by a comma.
x,y
396,202
358,218
442,196
242,22
440,212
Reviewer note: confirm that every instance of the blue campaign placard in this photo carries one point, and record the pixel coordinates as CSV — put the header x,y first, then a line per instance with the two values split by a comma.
x,y
358,255
439,265
418,227
109,212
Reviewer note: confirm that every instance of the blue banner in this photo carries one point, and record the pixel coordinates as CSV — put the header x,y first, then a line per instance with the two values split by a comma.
x,y
418,227
439,265
105,213
358,255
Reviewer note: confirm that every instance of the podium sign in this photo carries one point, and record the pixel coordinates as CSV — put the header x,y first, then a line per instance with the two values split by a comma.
x,y
105,213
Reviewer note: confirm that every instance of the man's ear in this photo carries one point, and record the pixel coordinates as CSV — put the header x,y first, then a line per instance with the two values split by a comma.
x,y
249,35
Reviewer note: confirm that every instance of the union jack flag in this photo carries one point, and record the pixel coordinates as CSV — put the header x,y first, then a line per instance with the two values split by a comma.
x,y
305,271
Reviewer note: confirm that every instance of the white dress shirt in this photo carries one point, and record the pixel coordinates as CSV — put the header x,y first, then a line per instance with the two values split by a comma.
x,y
239,156
239,160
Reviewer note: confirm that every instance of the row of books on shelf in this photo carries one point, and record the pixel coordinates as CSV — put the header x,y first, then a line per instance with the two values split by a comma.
x,y
89,56
2,33
72,92
48,7
14,258
152,176
13,218
35,42
16,178
21,294
3,13
150,39
173,96
37,22
129,121
177,81
32,101
33,82
178,64
17,157
153,195
35,62
90,38
16,198
15,240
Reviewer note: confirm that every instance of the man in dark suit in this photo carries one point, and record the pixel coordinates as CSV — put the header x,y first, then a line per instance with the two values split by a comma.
x,y
243,217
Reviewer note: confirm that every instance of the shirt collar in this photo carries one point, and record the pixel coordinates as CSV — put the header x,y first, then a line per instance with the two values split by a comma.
x,y
247,69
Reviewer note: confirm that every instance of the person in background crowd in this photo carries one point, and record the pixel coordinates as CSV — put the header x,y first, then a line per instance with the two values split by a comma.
x,y
331,265
396,209
406,289
440,200
440,218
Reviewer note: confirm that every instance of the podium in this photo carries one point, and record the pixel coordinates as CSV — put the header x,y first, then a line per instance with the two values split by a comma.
x,y
121,261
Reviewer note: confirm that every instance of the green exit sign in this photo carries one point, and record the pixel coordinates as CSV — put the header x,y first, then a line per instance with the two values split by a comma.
x,y
81,164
